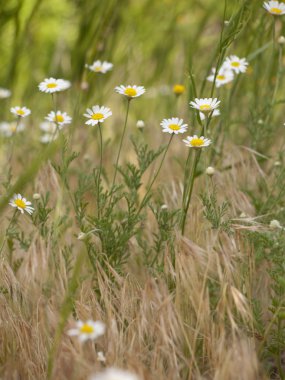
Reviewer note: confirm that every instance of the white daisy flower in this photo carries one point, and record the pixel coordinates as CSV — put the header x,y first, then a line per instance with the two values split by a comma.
x,y
88,330
20,111
65,84
197,142
48,137
114,374
21,204
100,67
205,104
97,114
4,93
49,127
51,85
9,129
215,113
238,65
224,76
59,118
173,125
274,7
130,91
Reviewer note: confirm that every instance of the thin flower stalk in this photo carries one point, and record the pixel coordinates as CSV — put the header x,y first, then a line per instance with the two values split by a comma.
x,y
155,176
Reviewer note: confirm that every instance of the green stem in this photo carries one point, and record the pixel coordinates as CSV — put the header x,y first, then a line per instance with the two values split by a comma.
x,y
120,147
155,176
100,169
191,184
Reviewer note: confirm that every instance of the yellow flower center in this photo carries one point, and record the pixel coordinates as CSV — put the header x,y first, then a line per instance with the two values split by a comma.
x,y
235,64
13,127
97,116
277,11
86,329
130,92
98,68
21,112
178,89
59,118
20,203
51,85
197,142
174,127
205,107
221,77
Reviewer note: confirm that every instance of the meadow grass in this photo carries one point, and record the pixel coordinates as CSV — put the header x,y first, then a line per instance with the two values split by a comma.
x,y
178,250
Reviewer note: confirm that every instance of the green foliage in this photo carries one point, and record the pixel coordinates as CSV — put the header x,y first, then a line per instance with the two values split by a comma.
x,y
215,213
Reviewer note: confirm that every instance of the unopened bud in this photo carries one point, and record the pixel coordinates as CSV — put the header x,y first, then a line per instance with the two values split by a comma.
x,y
140,124
36,196
281,40
210,171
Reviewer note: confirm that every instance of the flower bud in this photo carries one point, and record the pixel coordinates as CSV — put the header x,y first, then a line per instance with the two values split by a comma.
x,y
36,196
210,171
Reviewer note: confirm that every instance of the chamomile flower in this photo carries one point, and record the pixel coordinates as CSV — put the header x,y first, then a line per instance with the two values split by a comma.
x,y
50,131
178,89
238,65
130,91
274,7
9,129
205,104
51,85
173,125
4,93
197,142
21,204
88,330
65,84
223,77
100,67
49,127
215,113
48,137
59,118
97,114
20,111
114,374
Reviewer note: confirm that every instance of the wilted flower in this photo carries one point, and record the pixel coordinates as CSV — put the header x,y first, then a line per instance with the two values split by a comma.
x,y
97,114
21,204
130,91
88,330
